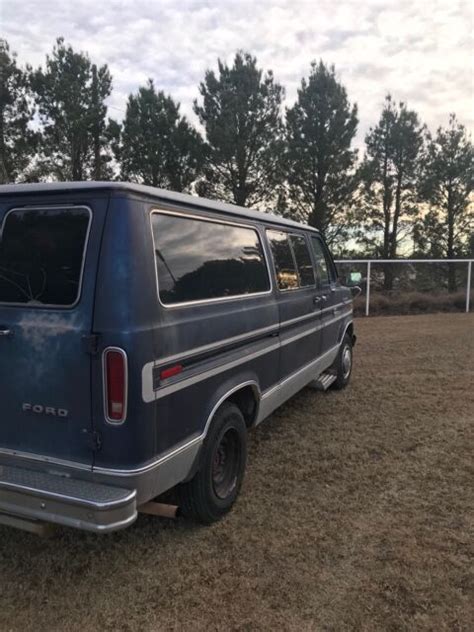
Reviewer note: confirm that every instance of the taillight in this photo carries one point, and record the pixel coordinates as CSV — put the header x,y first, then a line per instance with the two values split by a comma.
x,y
115,385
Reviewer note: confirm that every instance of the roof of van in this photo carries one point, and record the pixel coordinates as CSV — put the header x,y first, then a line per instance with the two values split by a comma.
x,y
158,194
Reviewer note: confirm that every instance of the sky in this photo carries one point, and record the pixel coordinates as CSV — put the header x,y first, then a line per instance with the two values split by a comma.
x,y
421,51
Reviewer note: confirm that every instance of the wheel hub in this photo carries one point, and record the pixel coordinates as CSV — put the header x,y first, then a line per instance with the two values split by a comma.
x,y
225,464
346,362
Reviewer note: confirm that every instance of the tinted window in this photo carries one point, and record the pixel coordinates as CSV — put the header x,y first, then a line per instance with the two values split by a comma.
x,y
303,260
323,264
41,256
198,259
287,277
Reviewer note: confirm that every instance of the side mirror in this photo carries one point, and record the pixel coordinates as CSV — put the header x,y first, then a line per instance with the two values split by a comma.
x,y
356,290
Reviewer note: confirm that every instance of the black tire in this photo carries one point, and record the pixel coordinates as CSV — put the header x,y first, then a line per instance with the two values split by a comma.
x,y
211,493
343,364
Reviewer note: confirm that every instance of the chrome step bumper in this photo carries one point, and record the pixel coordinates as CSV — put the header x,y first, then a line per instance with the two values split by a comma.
x,y
323,382
45,497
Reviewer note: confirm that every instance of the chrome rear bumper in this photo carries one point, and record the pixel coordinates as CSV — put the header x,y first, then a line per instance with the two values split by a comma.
x,y
63,500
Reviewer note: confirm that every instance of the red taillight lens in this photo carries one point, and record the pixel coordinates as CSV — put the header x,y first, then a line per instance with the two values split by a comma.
x,y
115,385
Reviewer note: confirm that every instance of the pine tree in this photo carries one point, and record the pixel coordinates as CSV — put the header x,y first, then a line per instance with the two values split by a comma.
x,y
17,139
446,185
158,145
389,179
70,95
240,113
319,160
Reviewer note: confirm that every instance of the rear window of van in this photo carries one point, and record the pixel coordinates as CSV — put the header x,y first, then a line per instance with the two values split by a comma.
x,y
200,260
42,255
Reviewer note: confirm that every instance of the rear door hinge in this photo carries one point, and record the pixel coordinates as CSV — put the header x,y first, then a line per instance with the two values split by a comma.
x,y
93,438
91,343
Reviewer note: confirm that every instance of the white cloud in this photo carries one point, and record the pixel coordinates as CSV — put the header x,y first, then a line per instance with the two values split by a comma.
x,y
419,51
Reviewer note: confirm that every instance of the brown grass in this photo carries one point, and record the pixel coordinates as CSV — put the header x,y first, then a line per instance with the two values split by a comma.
x,y
356,514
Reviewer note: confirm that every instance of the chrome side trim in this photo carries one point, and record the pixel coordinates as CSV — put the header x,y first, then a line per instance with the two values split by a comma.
x,y
84,252
224,299
151,465
241,337
281,392
149,394
39,458
345,329
217,345
114,422
300,319
172,388
314,329
255,388
196,441
148,390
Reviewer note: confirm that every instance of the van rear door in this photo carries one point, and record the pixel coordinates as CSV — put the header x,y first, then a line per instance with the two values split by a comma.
x,y
48,260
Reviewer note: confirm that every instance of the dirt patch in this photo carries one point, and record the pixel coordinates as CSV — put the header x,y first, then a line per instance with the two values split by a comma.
x,y
356,513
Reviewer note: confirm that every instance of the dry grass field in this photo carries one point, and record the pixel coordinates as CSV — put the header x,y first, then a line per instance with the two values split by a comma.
x,y
357,513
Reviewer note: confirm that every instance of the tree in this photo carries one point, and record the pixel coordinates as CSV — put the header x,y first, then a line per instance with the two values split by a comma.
x,y
71,94
241,116
446,185
319,161
17,139
389,178
158,145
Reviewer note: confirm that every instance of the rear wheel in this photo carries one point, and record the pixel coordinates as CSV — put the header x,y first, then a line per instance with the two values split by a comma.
x,y
343,364
215,487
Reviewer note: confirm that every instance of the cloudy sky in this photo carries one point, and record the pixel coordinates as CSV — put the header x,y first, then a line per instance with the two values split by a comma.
x,y
419,50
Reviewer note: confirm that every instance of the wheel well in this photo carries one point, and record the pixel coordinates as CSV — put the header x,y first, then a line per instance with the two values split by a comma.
x,y
350,330
247,400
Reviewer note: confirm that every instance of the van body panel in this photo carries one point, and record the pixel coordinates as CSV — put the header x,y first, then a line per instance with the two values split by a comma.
x,y
126,317
45,368
301,331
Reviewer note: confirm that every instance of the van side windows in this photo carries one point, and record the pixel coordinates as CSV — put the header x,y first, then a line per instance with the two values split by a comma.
x,y
303,260
293,265
199,259
324,266
287,277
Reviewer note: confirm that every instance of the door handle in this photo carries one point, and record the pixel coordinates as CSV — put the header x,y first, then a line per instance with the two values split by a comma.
x,y
5,332
320,299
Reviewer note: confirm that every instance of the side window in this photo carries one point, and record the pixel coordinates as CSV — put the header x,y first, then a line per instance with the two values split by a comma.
x,y
303,260
324,268
199,260
287,277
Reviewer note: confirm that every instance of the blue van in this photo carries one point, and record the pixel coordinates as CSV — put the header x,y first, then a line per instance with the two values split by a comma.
x,y
142,334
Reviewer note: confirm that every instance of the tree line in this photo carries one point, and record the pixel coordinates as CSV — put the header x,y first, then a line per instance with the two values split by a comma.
x,y
409,185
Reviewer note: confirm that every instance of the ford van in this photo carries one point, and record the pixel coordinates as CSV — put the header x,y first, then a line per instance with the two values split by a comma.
x,y
143,334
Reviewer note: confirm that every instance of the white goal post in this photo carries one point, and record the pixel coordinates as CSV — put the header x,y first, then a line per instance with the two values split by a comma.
x,y
369,262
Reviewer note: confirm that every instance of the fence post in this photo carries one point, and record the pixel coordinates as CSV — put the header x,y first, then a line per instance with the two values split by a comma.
x,y
367,293
468,287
